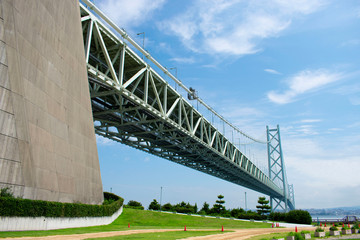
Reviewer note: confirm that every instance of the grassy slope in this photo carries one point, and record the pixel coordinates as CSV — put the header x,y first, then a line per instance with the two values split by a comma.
x,y
139,219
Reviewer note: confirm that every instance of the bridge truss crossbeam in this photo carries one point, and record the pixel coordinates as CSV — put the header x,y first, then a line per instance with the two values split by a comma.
x,y
134,105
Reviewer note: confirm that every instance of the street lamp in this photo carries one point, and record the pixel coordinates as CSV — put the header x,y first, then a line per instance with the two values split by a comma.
x,y
160,196
143,45
245,203
174,68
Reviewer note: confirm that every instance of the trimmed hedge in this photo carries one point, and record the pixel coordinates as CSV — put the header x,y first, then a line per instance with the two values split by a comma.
x,y
36,208
134,207
298,216
277,216
294,216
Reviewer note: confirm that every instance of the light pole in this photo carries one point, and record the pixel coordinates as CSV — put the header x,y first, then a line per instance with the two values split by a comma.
x,y
174,68
160,196
245,203
143,45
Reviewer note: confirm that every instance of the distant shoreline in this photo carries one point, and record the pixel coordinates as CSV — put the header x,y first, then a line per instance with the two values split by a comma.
x,y
315,217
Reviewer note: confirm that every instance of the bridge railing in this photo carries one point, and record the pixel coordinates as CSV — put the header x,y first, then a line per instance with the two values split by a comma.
x,y
223,125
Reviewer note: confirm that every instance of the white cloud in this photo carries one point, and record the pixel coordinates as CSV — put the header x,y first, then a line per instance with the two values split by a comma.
x,y
310,120
303,82
333,130
272,71
235,27
183,60
316,180
318,167
129,13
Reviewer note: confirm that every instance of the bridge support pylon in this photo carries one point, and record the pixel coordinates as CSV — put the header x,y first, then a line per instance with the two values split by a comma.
x,y
277,172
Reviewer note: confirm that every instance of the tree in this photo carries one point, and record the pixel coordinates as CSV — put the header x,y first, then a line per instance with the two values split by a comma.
x,y
263,208
167,207
184,208
298,216
219,206
134,203
205,209
236,212
154,205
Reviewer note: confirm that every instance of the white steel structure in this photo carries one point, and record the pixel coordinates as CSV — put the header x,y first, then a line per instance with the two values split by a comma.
x,y
134,105
277,172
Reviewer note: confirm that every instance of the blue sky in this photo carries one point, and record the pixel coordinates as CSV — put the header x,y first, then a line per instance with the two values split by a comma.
x,y
257,63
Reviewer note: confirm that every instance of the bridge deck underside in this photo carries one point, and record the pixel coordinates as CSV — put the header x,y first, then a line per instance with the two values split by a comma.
x,y
136,127
134,105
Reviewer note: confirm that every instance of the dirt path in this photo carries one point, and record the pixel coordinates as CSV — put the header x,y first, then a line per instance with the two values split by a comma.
x,y
238,234
92,235
247,233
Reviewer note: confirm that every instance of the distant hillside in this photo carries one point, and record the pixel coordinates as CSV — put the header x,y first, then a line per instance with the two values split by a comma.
x,y
340,211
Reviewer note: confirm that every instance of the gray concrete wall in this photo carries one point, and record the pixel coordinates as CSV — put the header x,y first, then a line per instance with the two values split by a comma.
x,y
47,223
47,141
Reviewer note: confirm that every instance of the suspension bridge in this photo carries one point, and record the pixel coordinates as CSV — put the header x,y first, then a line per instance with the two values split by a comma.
x,y
133,104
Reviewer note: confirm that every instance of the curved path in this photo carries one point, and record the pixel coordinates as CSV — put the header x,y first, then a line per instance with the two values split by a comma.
x,y
247,233
237,234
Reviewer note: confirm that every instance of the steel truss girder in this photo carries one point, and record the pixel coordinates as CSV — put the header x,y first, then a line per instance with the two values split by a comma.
x,y
277,171
136,106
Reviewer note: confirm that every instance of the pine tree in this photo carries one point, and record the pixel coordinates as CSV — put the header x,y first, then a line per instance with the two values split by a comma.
x,y
263,208
219,206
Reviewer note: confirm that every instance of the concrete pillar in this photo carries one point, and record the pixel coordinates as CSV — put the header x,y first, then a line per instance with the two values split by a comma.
x,y
47,140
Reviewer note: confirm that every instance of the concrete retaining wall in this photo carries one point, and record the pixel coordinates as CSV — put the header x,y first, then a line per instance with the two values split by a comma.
x,y
47,223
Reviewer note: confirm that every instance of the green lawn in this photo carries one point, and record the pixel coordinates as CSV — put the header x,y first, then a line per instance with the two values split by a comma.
x,y
284,235
140,219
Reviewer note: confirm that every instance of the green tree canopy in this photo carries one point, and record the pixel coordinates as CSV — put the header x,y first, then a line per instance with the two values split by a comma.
x,y
219,206
263,208
154,205
134,203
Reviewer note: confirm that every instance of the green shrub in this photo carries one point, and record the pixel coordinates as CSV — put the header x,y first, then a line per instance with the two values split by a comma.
x,y
296,235
355,226
134,207
298,216
134,204
277,216
167,207
154,205
319,229
37,208
251,215
6,192
333,228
